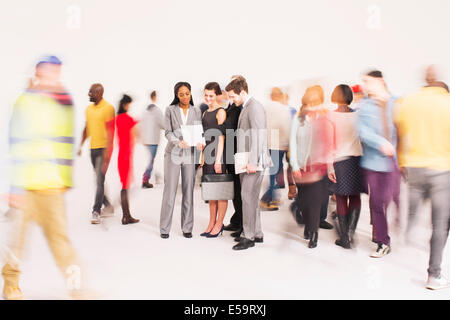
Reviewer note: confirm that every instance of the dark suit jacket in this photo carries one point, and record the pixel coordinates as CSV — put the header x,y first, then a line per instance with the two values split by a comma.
x,y
230,127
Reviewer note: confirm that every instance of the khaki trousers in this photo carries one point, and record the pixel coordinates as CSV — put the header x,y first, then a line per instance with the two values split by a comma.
x,y
46,208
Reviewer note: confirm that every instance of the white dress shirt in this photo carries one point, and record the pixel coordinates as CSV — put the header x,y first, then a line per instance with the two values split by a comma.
x,y
184,117
246,101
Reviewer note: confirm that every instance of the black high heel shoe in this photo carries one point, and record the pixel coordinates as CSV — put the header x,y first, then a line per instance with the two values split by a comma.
x,y
210,235
204,234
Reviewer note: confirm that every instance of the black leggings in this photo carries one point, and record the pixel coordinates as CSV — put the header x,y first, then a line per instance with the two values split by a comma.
x,y
312,197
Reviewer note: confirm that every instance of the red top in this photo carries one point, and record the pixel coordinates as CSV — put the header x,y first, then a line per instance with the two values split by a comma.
x,y
124,124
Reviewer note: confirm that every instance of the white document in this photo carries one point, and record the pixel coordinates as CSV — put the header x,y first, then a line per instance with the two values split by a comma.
x,y
241,161
192,134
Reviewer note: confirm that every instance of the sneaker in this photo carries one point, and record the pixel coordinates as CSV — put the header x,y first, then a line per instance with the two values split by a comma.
x,y
107,211
95,218
12,293
382,250
267,207
437,283
276,203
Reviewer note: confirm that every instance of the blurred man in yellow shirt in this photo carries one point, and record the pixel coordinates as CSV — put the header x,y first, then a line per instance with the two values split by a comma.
x,y
100,128
423,124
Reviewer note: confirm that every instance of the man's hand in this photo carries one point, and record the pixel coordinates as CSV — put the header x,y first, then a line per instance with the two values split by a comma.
x,y
79,152
183,144
250,168
297,174
387,149
200,146
404,173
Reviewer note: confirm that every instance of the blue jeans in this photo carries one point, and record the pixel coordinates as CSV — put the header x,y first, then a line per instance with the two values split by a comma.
x,y
148,173
277,160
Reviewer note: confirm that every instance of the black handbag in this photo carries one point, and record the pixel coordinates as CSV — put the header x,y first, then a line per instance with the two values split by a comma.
x,y
218,187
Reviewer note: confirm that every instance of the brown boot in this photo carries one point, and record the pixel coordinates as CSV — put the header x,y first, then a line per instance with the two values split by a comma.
x,y
127,218
292,192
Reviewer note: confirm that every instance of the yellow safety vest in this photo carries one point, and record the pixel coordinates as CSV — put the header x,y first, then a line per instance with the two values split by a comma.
x,y
41,142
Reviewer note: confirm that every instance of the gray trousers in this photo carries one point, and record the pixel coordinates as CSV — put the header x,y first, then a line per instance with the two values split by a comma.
x,y
97,156
172,169
251,216
430,184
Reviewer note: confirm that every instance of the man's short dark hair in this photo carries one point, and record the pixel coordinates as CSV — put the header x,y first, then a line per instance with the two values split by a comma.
x,y
375,74
153,94
237,86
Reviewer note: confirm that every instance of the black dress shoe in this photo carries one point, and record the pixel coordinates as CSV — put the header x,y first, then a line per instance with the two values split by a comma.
x,y
257,240
237,233
325,225
164,236
313,241
306,234
232,227
244,244
187,234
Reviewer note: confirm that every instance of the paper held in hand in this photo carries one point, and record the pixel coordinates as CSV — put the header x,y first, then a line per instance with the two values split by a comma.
x,y
241,161
193,134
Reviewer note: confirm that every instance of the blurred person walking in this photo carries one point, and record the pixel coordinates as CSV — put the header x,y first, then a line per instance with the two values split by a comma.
x,y
100,129
423,123
346,172
179,157
42,147
379,138
126,134
150,126
213,120
279,118
311,148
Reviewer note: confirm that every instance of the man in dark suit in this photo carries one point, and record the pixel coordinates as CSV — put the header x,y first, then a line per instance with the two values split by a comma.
x,y
230,147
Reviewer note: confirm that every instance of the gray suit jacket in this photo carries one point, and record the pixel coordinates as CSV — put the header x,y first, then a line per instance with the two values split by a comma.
x,y
173,124
252,133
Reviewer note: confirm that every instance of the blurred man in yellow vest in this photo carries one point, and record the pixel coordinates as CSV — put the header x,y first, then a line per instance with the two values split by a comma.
x,y
100,128
41,147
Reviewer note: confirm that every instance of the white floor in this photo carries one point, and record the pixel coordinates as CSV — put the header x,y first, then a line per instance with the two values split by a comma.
x,y
133,262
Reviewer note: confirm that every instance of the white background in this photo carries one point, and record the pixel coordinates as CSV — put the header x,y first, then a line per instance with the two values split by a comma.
x,y
137,46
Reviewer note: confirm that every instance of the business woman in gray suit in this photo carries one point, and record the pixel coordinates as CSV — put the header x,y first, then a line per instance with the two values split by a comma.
x,y
251,137
179,156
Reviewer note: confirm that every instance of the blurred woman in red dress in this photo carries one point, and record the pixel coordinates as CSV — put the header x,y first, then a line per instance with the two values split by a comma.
x,y
126,133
